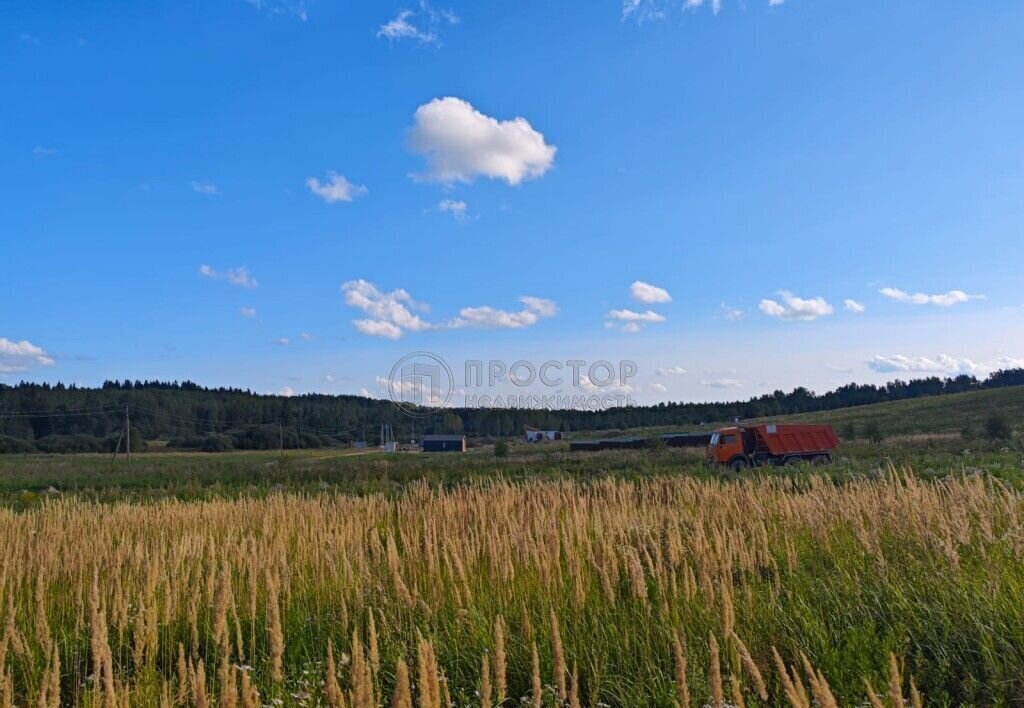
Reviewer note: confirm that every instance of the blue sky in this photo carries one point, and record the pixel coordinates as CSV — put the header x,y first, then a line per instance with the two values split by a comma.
x,y
189,185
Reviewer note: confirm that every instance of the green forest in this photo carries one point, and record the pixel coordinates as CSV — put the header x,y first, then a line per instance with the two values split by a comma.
x,y
59,418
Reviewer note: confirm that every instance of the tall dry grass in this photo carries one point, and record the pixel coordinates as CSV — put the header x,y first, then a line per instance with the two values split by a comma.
x,y
666,592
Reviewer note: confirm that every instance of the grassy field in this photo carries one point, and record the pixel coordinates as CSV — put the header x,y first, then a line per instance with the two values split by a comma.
x,y
930,415
544,578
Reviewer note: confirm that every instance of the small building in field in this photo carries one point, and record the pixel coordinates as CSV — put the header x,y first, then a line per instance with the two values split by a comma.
x,y
444,443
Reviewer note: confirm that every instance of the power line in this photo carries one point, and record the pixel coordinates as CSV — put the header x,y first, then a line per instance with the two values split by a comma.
x,y
56,414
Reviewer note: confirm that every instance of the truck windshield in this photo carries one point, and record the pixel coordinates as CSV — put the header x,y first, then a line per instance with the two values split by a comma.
x,y
714,439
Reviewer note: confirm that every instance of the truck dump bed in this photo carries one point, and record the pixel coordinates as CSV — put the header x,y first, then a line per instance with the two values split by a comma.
x,y
794,439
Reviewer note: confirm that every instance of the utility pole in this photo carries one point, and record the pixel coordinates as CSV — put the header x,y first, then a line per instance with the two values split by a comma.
x,y
128,436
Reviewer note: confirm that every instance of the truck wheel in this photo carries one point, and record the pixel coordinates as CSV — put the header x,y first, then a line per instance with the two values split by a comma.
x,y
738,465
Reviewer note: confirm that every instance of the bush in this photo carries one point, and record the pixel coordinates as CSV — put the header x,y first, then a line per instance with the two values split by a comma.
x,y
968,431
217,443
996,427
656,443
187,443
848,432
66,444
501,449
9,445
873,432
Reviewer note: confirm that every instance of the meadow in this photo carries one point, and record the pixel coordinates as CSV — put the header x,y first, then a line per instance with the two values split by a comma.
x,y
542,578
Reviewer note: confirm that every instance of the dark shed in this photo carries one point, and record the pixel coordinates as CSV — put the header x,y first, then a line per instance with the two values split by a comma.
x,y
444,443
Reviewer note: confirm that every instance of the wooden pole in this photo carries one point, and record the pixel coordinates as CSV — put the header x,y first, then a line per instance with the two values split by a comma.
x,y
128,436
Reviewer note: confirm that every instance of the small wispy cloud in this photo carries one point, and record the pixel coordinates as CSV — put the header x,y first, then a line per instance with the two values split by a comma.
x,y
208,188
631,321
671,371
42,151
455,207
853,306
722,383
642,11
733,314
235,276
421,25
293,8
946,299
336,189
534,308
283,341
247,312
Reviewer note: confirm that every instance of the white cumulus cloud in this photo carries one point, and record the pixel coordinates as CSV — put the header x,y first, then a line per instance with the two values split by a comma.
x,y
630,320
943,363
953,297
633,316
649,294
17,356
853,306
939,364
391,313
378,328
336,189
534,308
795,308
460,144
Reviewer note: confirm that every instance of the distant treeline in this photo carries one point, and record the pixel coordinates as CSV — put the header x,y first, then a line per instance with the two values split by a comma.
x,y
59,418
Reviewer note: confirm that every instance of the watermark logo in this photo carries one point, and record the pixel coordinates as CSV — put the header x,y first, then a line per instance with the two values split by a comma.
x,y
423,380
420,380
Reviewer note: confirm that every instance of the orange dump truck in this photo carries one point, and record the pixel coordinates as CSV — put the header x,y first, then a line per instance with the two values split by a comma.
x,y
741,447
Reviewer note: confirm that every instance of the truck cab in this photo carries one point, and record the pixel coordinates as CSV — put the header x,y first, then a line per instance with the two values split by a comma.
x,y
726,445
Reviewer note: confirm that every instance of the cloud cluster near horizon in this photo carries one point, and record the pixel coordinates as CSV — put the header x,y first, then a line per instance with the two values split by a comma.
x,y
632,321
19,356
393,313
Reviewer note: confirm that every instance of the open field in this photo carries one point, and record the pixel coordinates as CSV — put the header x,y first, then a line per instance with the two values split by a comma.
x,y
549,578
948,413
26,481
556,593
